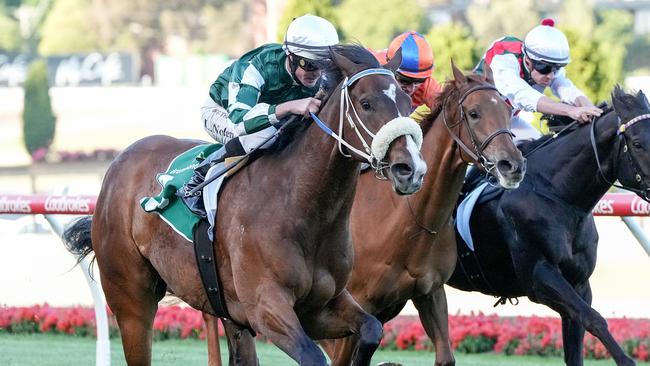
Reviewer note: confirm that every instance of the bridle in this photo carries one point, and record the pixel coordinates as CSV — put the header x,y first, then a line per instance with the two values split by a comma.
x,y
477,153
375,151
622,142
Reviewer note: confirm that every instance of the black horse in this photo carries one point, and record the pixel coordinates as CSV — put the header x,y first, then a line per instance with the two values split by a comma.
x,y
540,240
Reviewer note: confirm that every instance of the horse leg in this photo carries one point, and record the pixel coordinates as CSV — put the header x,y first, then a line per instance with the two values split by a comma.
x,y
212,332
341,350
342,317
273,316
551,289
432,309
133,290
573,333
241,344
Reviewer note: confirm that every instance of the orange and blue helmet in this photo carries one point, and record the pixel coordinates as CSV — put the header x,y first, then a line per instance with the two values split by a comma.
x,y
417,56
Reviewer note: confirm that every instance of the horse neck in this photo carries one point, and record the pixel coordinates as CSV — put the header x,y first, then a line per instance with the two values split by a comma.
x,y
434,203
324,180
573,174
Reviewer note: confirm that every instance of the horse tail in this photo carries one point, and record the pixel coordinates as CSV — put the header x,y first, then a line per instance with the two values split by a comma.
x,y
76,238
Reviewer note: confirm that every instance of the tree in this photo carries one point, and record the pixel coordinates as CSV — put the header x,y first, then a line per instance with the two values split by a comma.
x,y
452,41
597,57
376,25
296,8
495,19
9,31
69,28
38,120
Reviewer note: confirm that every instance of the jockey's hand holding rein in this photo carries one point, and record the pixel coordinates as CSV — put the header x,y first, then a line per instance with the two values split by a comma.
x,y
582,112
301,107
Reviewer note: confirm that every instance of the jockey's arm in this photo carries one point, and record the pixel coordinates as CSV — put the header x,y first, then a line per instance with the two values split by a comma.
x,y
578,113
301,107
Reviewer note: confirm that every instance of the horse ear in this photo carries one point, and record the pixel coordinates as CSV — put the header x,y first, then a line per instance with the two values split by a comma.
x,y
616,95
347,67
395,62
459,77
487,72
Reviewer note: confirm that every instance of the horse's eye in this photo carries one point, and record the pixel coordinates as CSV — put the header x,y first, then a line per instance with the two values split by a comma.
x,y
365,105
474,114
637,145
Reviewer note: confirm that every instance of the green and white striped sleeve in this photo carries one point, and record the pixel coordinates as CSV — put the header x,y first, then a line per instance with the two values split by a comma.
x,y
243,94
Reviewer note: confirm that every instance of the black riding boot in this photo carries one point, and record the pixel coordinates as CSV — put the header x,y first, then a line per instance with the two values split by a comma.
x,y
195,201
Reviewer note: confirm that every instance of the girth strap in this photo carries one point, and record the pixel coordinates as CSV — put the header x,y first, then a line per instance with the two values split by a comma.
x,y
207,265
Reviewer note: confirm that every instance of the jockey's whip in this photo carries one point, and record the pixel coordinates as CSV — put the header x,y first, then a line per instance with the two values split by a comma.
x,y
321,94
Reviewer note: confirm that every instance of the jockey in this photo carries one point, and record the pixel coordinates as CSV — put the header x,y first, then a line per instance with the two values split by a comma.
x,y
260,89
522,70
414,74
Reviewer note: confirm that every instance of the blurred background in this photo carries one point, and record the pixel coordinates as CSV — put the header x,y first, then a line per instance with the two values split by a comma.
x,y
82,79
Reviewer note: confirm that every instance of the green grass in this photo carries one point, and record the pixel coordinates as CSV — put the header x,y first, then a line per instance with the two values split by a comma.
x,y
56,350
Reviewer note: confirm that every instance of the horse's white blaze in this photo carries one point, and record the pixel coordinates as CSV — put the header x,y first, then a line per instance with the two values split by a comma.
x,y
494,100
391,93
420,165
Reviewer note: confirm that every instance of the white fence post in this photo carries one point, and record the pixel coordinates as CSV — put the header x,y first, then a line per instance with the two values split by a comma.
x,y
103,346
638,232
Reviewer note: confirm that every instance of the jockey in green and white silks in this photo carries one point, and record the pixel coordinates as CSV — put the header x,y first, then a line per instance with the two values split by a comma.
x,y
267,84
260,89
523,70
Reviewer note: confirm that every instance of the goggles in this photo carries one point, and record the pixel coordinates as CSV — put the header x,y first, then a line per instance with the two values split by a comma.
x,y
406,81
546,68
306,64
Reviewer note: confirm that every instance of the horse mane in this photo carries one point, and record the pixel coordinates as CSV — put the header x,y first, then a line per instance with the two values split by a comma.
x,y
449,90
527,146
332,77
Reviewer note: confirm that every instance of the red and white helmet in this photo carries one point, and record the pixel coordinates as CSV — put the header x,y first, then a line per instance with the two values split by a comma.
x,y
547,43
309,36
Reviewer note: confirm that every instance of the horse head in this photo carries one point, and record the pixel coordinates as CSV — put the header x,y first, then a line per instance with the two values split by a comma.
x,y
374,126
633,161
478,119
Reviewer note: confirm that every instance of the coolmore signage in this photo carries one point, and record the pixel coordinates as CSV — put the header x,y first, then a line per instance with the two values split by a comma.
x,y
66,204
92,69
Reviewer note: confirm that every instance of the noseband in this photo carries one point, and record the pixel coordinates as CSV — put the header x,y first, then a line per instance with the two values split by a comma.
x,y
476,154
623,141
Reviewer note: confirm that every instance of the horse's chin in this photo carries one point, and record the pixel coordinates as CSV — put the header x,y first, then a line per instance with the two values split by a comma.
x,y
405,190
509,183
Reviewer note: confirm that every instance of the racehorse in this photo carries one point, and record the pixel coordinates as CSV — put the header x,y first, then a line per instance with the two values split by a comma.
x,y
403,258
540,240
282,239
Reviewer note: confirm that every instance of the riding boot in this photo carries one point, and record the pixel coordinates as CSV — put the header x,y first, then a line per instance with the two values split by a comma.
x,y
195,201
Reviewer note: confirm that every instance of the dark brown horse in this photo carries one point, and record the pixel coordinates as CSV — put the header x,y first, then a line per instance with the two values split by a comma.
x,y
540,240
282,235
398,254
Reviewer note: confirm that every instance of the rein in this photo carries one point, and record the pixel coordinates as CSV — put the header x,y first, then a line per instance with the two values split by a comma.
x,y
476,154
623,141
374,152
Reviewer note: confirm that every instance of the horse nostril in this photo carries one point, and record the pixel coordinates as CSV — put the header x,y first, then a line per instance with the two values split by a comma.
x,y
401,170
505,166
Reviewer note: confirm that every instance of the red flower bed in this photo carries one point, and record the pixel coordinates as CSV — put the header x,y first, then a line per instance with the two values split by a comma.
x,y
468,333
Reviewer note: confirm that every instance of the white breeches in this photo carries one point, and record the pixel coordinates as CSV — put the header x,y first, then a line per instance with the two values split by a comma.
x,y
219,127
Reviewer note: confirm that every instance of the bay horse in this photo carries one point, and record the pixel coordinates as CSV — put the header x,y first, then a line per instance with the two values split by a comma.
x,y
540,240
282,238
404,258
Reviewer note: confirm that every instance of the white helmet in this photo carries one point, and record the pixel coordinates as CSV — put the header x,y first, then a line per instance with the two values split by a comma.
x,y
309,36
547,43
